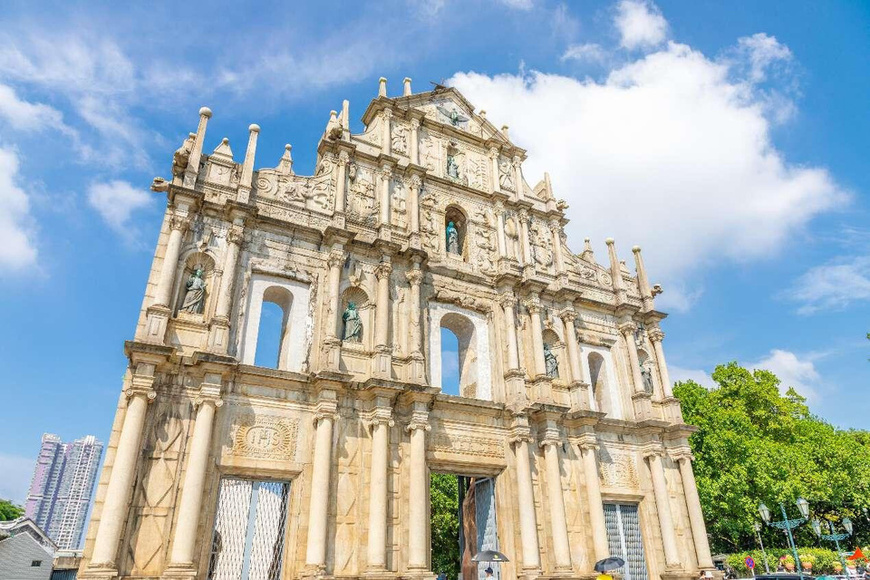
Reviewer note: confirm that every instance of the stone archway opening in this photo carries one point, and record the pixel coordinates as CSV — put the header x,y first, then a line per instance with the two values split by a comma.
x,y
462,523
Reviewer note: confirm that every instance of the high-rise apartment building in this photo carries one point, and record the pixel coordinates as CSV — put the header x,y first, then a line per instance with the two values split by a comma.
x,y
62,485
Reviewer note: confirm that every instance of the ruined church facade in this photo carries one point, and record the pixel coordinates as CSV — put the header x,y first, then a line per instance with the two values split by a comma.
x,y
318,465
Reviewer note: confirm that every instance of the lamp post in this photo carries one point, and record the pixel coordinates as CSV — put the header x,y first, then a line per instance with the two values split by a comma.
x,y
788,525
832,537
757,527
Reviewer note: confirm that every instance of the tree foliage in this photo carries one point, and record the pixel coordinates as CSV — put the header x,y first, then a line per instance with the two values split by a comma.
x,y
444,506
9,511
755,444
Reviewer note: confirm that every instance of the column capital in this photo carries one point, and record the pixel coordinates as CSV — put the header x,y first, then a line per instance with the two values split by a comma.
x,y
524,214
140,390
235,234
179,222
627,327
380,416
655,334
416,181
493,152
415,123
551,436
414,277
520,435
336,258
507,299
516,160
587,442
343,157
682,453
387,170
499,207
325,409
568,315
383,270
419,420
654,449
208,393
533,304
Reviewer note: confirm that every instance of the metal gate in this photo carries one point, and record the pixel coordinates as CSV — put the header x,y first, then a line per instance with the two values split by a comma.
x,y
487,526
624,538
248,541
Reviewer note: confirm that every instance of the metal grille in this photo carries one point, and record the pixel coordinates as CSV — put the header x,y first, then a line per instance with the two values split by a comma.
x,y
487,532
248,541
624,538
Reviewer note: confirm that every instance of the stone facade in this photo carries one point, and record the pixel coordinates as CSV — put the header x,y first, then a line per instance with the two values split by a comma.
x,y
565,396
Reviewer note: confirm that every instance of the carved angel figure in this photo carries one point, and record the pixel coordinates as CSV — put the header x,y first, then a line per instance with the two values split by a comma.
x,y
512,237
452,167
399,140
453,116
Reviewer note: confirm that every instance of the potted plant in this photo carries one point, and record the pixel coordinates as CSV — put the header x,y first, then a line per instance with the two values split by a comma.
x,y
807,561
788,562
838,568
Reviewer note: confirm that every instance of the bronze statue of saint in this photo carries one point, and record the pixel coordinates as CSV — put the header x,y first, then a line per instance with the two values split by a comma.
x,y
352,323
194,297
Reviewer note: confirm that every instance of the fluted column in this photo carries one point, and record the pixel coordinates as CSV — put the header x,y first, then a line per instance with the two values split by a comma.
x,y
508,302
177,224
235,234
380,422
556,231
493,169
653,456
588,447
318,507
414,146
117,500
520,439
502,244
385,176
419,483
524,237
558,524
533,305
693,504
656,336
190,504
627,329
341,182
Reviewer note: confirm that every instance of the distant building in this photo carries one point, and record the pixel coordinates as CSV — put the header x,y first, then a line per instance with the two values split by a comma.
x,y
26,553
62,485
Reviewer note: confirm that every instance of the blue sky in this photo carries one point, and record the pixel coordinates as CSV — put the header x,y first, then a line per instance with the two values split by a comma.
x,y
727,139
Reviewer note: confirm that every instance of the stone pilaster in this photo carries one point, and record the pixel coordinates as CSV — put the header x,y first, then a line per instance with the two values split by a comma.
x,y
588,445
415,339
332,342
383,349
653,454
414,210
578,389
341,182
533,305
321,468
683,457
385,219
418,523
220,326
641,399
551,442
380,422
531,556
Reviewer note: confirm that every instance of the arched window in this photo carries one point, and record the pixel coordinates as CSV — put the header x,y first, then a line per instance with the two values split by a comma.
x,y
455,228
449,363
598,381
466,348
274,328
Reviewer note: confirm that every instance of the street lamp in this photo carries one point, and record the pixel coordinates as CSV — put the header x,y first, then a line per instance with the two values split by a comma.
x,y
757,527
788,525
832,537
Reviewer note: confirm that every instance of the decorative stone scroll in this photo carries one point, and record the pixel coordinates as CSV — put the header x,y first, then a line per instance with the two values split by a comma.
x,y
468,445
265,437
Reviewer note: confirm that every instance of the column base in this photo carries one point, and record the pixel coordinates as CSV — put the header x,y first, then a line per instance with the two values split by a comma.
x,y
418,574
332,353
642,406
156,321
418,368
677,574
383,362
100,572
179,571
529,573
314,572
219,335
379,574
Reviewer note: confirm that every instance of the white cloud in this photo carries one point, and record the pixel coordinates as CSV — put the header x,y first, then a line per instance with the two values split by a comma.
x,y
640,24
518,4
26,116
17,245
670,142
791,371
832,286
17,472
116,201
589,52
701,377
763,51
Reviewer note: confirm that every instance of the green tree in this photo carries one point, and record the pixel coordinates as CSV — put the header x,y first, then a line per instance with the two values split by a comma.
x,y
9,511
755,444
444,504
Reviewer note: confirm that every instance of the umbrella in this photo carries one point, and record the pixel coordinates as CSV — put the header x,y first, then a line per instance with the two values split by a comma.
x,y
489,556
611,563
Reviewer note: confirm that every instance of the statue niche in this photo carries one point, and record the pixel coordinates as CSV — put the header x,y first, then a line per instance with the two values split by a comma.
x,y
194,280
352,323
354,315
455,228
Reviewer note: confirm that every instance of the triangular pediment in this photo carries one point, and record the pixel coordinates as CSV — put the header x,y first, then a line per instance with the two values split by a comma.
x,y
446,105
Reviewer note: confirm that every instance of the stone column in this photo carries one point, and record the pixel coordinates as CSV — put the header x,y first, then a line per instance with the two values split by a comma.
x,y
190,504
415,278
386,138
508,302
524,237
386,176
518,176
627,329
502,244
192,169
520,439
414,147
318,508
558,525
568,316
163,295
341,182
381,421
493,169
334,261
693,503
642,280
556,231
588,447
117,499
418,490
235,234
656,336
533,305
414,206
383,355
248,165
653,455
